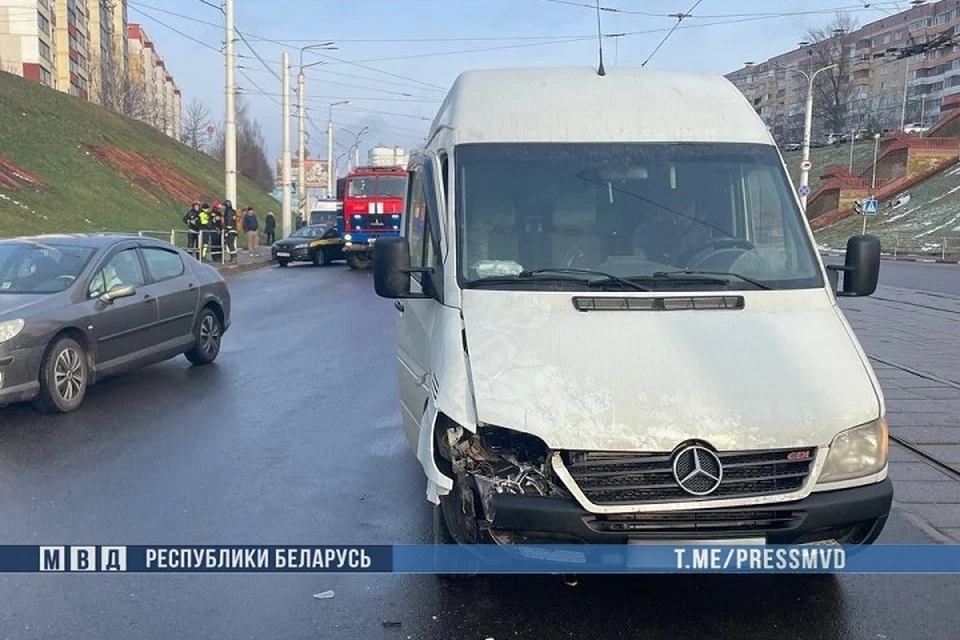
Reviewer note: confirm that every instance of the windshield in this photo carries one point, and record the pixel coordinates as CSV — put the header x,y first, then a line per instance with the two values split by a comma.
x,y
309,232
38,268
632,210
377,186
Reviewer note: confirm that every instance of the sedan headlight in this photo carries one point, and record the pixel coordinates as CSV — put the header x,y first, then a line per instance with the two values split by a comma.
x,y
302,245
857,452
10,329
347,237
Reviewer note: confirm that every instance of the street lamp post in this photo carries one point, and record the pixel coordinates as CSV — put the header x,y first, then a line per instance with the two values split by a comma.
x,y
355,148
330,146
807,131
301,112
873,181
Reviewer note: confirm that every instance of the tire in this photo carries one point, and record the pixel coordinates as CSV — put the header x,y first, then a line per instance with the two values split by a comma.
x,y
319,258
443,538
359,261
283,263
64,376
206,338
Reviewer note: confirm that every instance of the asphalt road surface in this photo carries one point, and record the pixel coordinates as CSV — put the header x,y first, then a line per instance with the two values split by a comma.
x,y
294,437
919,276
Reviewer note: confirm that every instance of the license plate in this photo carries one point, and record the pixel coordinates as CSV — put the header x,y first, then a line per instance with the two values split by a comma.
x,y
282,254
701,543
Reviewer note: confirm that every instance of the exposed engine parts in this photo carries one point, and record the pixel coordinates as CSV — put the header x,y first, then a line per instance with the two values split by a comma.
x,y
491,462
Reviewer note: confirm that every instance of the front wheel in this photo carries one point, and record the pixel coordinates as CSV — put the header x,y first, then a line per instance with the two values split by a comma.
x,y
359,261
206,340
63,377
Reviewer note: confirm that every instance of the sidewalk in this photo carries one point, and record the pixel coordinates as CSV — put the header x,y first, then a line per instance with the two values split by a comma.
x,y
913,340
246,261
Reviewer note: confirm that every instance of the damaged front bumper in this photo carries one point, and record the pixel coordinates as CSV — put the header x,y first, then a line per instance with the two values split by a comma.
x,y
506,491
847,516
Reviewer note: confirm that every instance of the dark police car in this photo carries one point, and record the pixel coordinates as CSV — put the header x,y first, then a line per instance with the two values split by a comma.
x,y
316,243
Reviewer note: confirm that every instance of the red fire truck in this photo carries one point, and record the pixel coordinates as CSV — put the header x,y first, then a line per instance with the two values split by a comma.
x,y
372,207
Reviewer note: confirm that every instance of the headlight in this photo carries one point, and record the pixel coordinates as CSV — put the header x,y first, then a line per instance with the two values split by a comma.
x,y
347,237
10,329
301,246
857,452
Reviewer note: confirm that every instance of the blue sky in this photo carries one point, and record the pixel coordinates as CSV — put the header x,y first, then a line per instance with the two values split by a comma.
x,y
405,66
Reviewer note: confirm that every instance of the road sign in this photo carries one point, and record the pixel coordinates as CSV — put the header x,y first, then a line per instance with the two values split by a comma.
x,y
804,191
806,165
870,207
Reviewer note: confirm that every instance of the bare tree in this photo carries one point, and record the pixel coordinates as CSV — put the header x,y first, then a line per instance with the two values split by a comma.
x,y
251,148
196,121
831,44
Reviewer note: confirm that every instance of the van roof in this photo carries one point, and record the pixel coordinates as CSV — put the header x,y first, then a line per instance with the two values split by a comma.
x,y
577,105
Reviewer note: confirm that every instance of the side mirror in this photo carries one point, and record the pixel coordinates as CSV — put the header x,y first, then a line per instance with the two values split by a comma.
x,y
116,293
391,259
861,269
392,270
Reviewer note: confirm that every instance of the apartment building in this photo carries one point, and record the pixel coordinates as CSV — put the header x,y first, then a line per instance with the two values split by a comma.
x,y
28,40
88,49
148,72
108,50
73,47
881,89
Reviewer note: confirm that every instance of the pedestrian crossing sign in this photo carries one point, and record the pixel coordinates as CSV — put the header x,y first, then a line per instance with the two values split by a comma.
x,y
870,207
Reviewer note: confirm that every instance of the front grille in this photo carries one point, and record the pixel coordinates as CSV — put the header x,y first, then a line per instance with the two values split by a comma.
x,y
374,222
624,478
720,521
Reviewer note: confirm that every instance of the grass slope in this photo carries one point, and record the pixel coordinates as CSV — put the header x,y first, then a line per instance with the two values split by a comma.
x,y
821,157
44,132
923,225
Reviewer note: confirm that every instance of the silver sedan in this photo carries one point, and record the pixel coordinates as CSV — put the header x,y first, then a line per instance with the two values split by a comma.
x,y
76,308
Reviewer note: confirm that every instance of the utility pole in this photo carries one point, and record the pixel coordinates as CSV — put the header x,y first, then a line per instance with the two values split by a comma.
x,y
330,170
230,126
302,150
906,78
286,218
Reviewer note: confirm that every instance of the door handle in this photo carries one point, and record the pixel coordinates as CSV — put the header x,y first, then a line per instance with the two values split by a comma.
x,y
190,286
147,297
398,306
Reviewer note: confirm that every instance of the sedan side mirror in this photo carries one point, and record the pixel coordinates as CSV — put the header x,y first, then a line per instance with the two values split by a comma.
x,y
861,268
391,269
116,293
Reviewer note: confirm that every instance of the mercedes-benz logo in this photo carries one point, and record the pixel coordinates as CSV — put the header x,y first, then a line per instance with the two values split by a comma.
x,y
697,470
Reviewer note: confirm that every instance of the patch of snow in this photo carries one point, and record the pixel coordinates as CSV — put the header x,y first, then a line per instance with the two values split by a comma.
x,y
952,221
944,195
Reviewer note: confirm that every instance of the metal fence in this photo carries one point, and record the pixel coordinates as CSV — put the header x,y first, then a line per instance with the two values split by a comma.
x,y
936,247
206,245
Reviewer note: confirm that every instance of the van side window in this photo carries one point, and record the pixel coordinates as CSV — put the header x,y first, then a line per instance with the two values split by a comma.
x,y
416,217
418,232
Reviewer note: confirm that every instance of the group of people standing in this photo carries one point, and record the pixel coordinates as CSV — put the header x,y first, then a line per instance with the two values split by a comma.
x,y
213,230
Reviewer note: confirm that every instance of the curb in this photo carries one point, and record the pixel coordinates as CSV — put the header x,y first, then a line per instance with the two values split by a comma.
x,y
240,269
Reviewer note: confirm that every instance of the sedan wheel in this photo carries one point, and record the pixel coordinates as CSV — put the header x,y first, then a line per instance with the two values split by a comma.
x,y
63,377
207,335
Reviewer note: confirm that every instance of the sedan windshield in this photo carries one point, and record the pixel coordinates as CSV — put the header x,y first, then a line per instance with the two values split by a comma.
x,y
39,268
309,232
655,214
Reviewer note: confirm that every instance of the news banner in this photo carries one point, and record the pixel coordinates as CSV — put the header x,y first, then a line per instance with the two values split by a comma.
x,y
581,559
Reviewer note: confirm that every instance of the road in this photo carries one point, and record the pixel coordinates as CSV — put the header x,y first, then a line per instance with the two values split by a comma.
x,y
919,276
294,437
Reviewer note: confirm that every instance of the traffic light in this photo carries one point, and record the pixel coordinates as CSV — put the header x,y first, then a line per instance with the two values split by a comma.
x,y
858,207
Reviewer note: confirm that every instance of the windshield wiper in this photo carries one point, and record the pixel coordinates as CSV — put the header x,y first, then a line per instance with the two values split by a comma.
x,y
600,278
705,276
